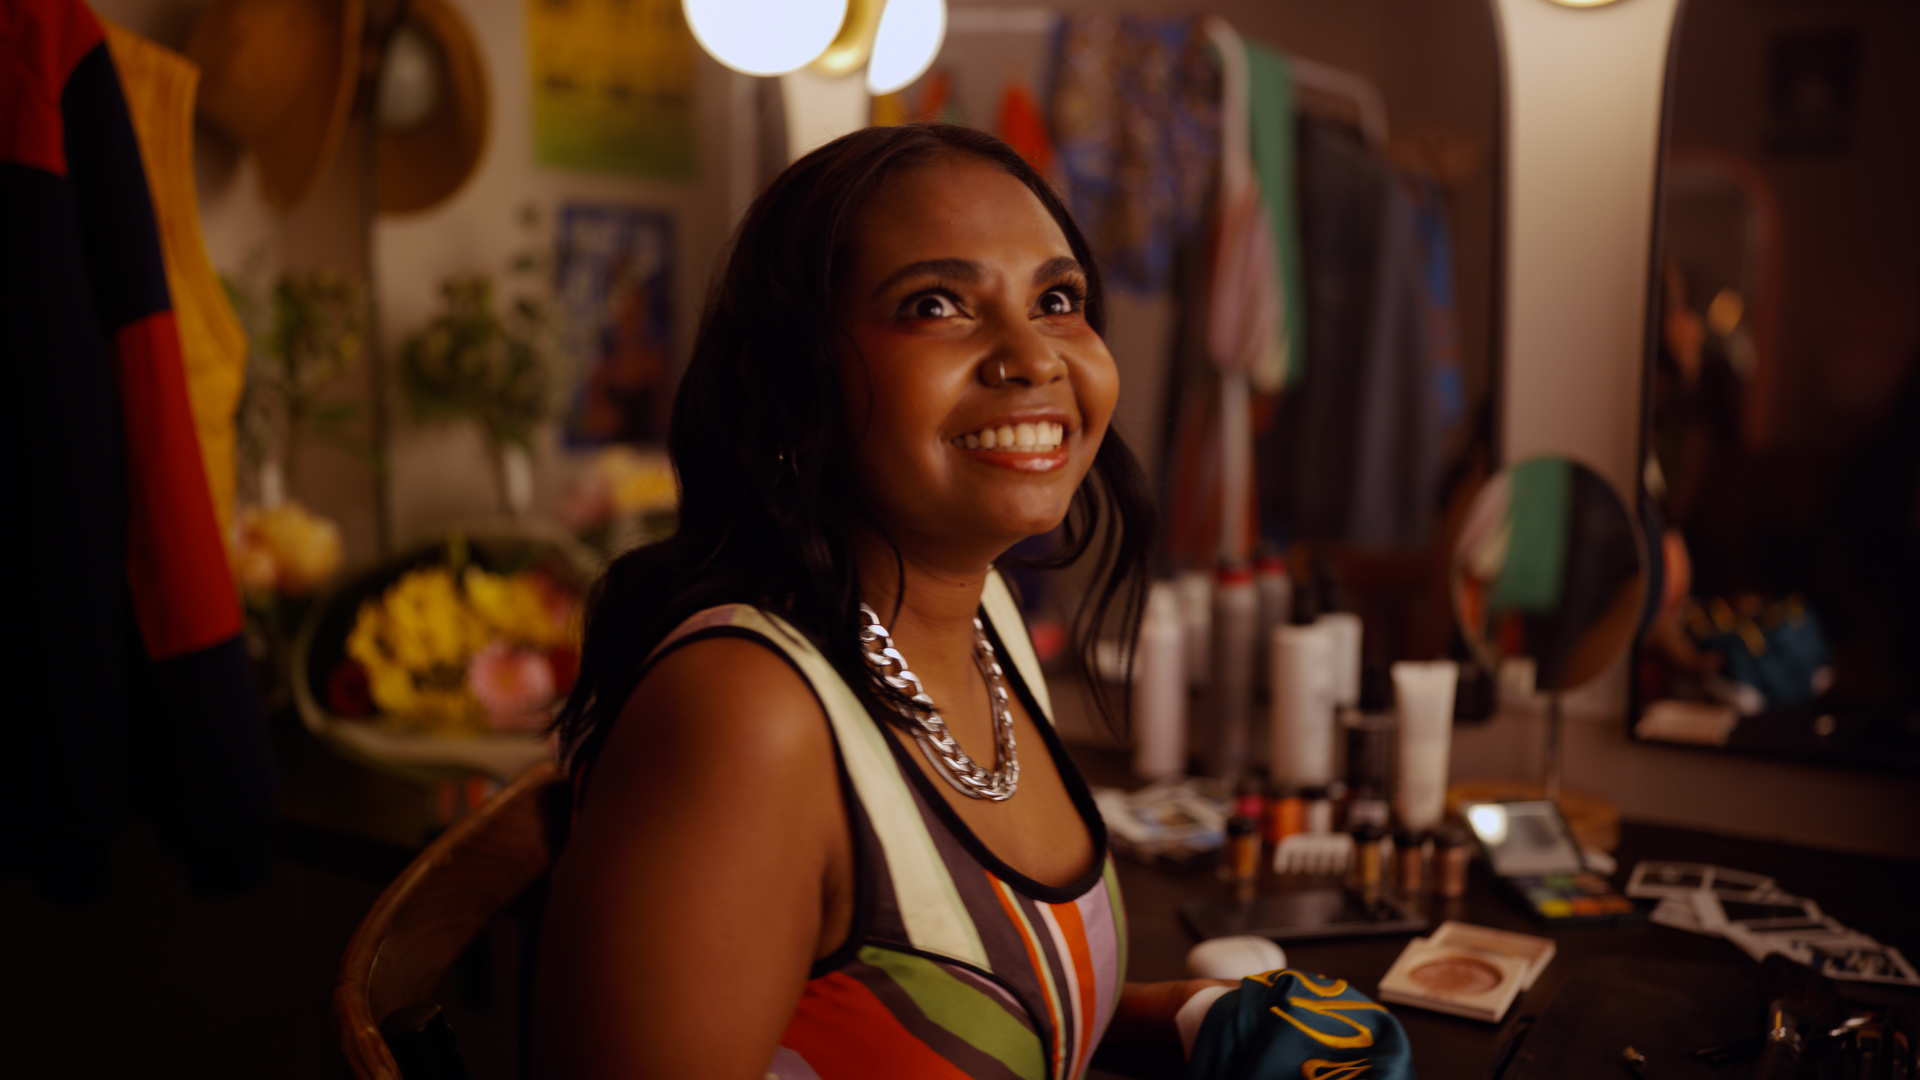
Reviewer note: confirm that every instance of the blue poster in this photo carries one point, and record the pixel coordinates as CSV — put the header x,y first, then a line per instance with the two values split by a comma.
x,y
614,270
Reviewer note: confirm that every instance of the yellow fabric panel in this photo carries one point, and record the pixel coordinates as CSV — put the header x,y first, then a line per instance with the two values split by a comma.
x,y
159,85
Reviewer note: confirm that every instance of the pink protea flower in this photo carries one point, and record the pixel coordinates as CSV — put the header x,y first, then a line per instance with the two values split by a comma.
x,y
514,686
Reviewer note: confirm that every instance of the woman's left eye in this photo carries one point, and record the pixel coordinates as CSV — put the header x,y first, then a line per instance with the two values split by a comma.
x,y
1058,302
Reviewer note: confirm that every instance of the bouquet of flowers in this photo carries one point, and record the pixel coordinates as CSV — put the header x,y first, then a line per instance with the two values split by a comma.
x,y
453,648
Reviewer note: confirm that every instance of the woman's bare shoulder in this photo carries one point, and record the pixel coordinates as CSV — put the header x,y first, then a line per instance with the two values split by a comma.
x,y
724,703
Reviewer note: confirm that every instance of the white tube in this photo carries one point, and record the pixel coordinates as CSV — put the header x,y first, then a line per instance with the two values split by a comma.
x,y
1300,732
1345,628
1424,691
1196,611
1160,688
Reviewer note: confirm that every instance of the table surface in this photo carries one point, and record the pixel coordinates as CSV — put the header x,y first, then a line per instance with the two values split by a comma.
x,y
1880,897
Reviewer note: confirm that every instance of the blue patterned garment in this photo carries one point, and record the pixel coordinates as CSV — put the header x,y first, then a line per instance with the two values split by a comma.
x,y
1135,110
1287,1025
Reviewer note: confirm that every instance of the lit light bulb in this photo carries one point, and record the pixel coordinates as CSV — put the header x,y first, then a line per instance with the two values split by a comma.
x,y
765,37
409,88
906,43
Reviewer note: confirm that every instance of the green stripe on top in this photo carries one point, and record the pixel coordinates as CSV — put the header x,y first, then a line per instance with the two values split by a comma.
x,y
965,1010
1111,875
1005,615
935,917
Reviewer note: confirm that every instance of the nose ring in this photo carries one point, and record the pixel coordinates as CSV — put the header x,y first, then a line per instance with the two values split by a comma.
x,y
999,375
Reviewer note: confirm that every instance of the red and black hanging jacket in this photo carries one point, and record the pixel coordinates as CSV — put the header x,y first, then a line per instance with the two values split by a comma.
x,y
123,677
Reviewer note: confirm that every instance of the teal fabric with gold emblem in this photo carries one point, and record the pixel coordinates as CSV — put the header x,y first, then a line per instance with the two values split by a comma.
x,y
1288,1024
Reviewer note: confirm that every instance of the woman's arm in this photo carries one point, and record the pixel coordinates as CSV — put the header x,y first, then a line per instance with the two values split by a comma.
x,y
704,863
1147,1010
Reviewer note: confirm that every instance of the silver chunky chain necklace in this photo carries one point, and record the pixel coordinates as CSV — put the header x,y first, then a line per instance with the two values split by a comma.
x,y
930,730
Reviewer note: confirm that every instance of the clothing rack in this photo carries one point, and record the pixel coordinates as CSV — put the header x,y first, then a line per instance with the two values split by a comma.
x,y
1318,80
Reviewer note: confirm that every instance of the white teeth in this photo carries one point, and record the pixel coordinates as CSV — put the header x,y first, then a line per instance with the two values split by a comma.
x,y
1033,437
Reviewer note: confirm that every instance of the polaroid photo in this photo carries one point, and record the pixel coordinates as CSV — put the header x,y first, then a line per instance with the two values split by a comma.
x,y
1859,961
1795,944
1653,880
1716,912
1451,979
1678,912
1536,951
1740,885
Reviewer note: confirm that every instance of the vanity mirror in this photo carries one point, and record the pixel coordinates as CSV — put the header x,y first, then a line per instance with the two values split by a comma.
x,y
1781,444
1548,583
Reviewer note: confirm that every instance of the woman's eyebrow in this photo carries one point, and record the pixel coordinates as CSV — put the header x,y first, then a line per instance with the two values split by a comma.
x,y
1056,268
965,270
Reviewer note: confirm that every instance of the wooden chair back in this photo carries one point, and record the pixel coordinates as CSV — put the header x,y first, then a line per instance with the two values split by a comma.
x,y
439,904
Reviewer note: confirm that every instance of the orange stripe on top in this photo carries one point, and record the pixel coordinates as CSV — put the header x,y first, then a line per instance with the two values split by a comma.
x,y
1039,962
837,1002
1074,930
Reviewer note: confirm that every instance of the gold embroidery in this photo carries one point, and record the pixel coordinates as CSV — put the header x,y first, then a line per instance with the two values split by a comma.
x,y
1331,1010
1322,1069
1333,989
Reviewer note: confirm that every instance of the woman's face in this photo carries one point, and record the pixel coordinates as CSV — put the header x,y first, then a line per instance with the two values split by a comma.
x,y
966,315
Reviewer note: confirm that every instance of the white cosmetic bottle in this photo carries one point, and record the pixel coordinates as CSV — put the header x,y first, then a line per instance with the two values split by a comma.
x,y
1275,588
1159,718
1300,748
1195,592
1236,625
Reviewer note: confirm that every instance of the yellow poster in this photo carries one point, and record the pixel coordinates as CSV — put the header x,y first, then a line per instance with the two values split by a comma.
x,y
612,85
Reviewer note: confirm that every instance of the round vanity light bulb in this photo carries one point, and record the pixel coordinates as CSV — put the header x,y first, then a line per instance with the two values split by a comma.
x,y
908,39
1583,3
410,76
765,37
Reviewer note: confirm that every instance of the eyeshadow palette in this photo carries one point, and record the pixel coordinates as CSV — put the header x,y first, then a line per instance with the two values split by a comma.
x,y
1575,897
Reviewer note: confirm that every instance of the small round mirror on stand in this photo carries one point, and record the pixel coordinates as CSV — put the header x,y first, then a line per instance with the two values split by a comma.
x,y
1548,572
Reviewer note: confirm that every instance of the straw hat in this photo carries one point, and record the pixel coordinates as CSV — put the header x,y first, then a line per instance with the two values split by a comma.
x,y
278,78
423,159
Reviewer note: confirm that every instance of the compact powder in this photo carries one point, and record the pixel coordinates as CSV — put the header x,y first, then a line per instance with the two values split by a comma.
x,y
1456,975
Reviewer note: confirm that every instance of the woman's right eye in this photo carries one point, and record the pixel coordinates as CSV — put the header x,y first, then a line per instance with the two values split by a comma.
x,y
931,306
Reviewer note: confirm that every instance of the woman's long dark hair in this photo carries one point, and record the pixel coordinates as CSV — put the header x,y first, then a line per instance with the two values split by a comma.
x,y
767,511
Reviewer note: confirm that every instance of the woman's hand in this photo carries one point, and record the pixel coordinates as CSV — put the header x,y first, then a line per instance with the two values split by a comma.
x,y
1147,1010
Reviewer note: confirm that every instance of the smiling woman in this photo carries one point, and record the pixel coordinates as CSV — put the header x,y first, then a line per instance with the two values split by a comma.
x,y
786,860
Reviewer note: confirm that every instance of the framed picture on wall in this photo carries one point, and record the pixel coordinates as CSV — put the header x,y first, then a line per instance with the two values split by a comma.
x,y
614,272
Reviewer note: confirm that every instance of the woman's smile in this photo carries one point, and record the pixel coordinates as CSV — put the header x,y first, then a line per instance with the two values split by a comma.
x,y
1026,442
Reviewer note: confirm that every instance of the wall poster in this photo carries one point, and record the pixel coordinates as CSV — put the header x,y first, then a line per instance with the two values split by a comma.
x,y
614,285
612,86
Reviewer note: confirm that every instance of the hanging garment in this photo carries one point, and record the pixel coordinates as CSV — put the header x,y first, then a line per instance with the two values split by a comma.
x,y
1271,138
119,627
1136,120
1356,451
159,86
1022,126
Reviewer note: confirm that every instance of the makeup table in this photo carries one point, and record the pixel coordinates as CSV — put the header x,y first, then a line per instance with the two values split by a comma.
x,y
1880,897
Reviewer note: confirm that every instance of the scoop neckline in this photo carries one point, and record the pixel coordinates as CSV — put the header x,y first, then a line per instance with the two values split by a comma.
x,y
1063,764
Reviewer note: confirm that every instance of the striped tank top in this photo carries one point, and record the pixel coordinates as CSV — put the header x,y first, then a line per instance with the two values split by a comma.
x,y
956,966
